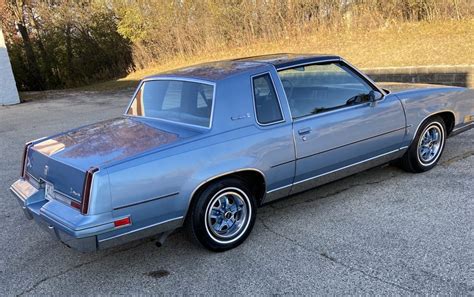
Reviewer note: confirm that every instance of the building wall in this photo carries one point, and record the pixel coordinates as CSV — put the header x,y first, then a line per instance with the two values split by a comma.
x,y
8,90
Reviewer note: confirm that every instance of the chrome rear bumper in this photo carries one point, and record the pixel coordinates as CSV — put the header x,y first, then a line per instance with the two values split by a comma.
x,y
32,201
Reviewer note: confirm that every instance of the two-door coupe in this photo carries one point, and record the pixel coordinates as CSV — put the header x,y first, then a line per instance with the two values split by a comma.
x,y
204,146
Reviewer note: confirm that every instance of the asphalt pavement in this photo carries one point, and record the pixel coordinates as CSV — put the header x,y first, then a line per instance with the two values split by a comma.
x,y
383,231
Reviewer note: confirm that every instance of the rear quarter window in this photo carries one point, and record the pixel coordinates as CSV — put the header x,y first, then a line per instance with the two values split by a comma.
x,y
267,106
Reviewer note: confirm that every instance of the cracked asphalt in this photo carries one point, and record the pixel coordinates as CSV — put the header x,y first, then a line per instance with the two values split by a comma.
x,y
383,231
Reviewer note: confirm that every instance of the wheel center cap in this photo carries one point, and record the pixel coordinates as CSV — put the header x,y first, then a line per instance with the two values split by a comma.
x,y
228,215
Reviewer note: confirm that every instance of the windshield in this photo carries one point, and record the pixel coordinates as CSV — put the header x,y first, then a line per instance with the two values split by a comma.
x,y
174,100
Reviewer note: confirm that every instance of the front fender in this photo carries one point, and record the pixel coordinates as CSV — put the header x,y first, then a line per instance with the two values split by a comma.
x,y
420,104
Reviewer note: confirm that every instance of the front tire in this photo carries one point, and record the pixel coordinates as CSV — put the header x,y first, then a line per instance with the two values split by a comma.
x,y
223,215
427,147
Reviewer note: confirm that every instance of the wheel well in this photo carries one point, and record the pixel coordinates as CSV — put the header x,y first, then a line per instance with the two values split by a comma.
x,y
254,179
448,118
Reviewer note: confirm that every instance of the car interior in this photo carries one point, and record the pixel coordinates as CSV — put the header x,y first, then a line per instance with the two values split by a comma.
x,y
311,90
179,101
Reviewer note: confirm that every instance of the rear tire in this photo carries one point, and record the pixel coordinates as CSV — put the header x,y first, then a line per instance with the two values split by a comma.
x,y
222,215
427,146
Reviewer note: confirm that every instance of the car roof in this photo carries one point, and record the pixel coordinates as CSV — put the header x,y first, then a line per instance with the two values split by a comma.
x,y
283,60
214,71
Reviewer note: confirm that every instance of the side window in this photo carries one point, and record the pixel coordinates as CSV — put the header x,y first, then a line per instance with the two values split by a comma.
x,y
266,101
319,88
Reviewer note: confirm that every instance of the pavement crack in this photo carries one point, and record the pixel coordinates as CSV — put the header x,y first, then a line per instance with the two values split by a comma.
x,y
284,236
45,279
439,278
463,156
352,268
334,260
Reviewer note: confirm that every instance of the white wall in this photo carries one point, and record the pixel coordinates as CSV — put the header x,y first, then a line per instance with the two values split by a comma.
x,y
8,91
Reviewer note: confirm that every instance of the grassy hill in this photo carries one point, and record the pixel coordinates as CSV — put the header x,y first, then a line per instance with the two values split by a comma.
x,y
408,44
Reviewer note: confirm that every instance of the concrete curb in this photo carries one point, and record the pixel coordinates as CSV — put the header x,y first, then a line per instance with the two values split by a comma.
x,y
451,75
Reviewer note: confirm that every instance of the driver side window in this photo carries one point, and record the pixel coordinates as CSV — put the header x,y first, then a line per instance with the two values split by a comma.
x,y
319,88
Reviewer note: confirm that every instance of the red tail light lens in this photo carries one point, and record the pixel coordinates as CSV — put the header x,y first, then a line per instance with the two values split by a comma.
x,y
76,204
25,156
122,222
87,189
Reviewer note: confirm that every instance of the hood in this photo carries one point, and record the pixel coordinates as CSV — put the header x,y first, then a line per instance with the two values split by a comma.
x,y
108,141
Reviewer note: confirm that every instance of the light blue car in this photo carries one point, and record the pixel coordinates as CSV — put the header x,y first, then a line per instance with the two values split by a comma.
x,y
202,147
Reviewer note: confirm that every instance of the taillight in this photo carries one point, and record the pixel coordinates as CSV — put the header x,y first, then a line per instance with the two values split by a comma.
x,y
122,222
86,193
76,205
25,156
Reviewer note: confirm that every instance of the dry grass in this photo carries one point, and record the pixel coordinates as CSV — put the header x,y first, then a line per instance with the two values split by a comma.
x,y
409,44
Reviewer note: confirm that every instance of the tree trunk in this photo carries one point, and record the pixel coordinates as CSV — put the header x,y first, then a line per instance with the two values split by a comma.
x,y
37,81
70,67
51,78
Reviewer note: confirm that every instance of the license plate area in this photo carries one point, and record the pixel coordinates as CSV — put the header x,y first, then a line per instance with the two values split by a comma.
x,y
48,191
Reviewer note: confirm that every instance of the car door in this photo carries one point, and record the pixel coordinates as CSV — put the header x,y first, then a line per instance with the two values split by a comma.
x,y
338,130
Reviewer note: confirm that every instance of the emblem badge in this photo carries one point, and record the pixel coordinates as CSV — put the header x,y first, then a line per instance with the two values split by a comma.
x,y
74,193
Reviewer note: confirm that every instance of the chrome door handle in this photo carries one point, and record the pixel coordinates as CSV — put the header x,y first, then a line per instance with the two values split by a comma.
x,y
304,131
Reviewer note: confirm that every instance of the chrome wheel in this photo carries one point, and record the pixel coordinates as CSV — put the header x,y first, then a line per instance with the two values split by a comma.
x,y
228,215
430,144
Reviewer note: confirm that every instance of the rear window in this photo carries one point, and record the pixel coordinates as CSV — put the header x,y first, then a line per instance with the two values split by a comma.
x,y
174,100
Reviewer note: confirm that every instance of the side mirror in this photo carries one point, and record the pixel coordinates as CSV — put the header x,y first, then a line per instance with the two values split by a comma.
x,y
374,96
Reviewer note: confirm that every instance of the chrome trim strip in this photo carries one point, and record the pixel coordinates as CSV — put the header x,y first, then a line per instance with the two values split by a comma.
x,y
133,97
461,129
176,78
277,194
164,120
468,126
351,165
255,103
66,196
312,116
146,200
180,78
339,169
38,139
308,63
279,188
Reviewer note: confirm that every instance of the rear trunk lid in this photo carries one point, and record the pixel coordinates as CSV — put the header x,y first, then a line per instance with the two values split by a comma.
x,y
63,160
